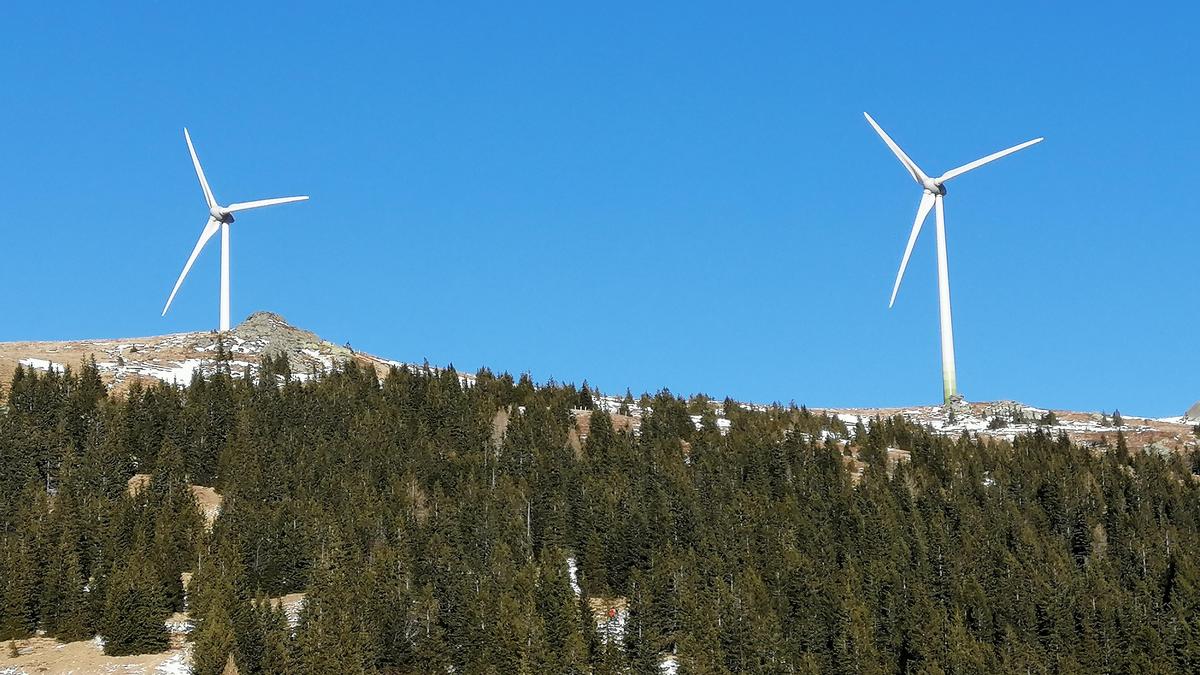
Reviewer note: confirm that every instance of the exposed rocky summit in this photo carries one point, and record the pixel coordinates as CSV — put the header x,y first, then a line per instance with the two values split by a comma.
x,y
268,333
175,357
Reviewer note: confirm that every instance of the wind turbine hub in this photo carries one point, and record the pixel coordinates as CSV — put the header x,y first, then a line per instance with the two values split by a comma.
x,y
220,214
935,188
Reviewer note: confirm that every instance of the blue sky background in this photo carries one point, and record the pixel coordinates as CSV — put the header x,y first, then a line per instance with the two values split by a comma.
x,y
678,195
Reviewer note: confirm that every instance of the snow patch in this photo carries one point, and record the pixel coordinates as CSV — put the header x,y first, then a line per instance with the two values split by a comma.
x,y
43,364
178,664
723,425
611,626
325,360
180,374
573,573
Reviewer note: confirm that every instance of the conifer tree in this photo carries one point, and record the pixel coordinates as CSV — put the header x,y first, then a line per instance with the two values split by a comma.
x,y
536,656
73,619
278,648
558,610
214,641
331,636
218,605
18,606
627,403
429,643
585,398
134,609
642,633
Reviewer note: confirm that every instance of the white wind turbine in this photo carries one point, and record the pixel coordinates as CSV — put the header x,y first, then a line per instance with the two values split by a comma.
x,y
219,218
935,191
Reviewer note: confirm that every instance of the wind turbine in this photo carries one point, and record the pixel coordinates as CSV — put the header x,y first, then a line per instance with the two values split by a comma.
x,y
935,192
219,218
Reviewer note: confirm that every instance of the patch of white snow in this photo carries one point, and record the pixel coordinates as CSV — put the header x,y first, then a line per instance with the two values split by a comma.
x,y
178,664
43,364
573,573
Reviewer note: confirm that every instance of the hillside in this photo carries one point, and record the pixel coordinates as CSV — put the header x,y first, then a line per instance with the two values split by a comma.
x,y
345,523
174,357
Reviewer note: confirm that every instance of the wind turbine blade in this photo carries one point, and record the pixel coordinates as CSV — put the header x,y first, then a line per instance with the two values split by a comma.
x,y
243,206
208,195
922,214
916,172
209,230
990,158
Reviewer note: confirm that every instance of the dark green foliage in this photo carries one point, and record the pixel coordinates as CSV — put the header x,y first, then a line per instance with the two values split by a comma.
x,y
425,544
585,398
278,651
215,643
67,612
134,609
333,635
18,590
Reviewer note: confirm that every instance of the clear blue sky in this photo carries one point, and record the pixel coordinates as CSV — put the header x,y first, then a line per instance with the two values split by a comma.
x,y
683,196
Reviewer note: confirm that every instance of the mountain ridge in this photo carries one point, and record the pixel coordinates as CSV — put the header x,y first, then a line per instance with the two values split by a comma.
x,y
175,357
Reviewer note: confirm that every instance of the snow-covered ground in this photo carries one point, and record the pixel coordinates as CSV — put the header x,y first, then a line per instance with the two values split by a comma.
x,y
1008,419
180,663
573,573
43,364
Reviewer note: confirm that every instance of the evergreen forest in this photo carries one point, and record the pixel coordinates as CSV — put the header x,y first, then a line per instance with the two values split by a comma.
x,y
439,524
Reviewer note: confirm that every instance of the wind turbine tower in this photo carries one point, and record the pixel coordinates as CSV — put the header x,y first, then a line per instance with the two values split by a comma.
x,y
934,192
219,218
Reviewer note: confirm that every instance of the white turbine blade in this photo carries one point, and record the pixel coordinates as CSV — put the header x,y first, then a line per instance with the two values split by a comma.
x,y
209,230
208,195
922,214
990,158
243,206
916,172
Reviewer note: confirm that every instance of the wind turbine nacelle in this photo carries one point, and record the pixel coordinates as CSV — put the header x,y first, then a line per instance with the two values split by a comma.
x,y
221,214
935,188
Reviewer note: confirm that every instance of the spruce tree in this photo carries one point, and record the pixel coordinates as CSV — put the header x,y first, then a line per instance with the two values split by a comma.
x,y
217,606
214,641
430,650
278,657
73,620
331,636
18,606
134,610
